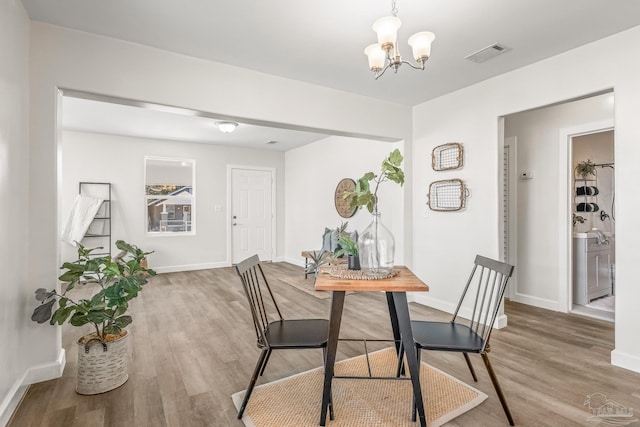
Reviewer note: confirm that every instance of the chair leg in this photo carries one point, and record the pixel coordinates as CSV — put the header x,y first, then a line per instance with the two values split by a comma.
x,y
266,360
496,385
400,369
259,367
415,408
473,372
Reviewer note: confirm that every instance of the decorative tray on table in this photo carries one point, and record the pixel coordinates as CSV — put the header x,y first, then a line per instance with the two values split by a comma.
x,y
341,271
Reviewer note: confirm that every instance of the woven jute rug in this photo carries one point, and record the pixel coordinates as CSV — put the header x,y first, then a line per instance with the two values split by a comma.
x,y
295,401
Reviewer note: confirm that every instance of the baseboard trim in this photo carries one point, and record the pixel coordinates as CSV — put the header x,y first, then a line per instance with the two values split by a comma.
x,y
191,267
38,373
295,261
448,307
429,301
625,360
46,371
536,301
501,321
11,401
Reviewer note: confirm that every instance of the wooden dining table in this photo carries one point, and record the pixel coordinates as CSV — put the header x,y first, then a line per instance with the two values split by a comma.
x,y
396,289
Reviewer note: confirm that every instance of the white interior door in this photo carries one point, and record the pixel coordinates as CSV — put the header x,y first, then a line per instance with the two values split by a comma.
x,y
251,214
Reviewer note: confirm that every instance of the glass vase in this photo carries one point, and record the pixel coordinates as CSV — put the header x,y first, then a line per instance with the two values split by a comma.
x,y
376,247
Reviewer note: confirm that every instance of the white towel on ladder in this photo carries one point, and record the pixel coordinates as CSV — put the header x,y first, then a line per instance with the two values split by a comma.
x,y
83,211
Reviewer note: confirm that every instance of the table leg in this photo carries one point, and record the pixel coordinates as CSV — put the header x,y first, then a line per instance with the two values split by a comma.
x,y
335,317
394,320
394,328
404,323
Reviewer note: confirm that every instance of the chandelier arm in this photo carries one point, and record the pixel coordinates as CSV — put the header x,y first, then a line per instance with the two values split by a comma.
x,y
380,73
421,67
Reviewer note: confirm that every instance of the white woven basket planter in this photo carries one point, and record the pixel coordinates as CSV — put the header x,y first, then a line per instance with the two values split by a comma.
x,y
100,371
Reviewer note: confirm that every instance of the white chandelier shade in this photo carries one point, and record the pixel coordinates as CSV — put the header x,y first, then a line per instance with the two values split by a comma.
x,y
386,54
376,56
387,29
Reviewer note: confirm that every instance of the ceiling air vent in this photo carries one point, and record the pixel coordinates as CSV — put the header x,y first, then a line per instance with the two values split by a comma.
x,y
487,53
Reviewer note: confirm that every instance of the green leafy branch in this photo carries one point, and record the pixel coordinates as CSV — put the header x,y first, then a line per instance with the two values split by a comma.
x,y
347,246
389,171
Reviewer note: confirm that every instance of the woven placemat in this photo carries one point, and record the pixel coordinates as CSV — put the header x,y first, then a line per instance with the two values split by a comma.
x,y
341,271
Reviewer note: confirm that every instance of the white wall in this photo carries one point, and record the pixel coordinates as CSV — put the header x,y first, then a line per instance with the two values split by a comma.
x,y
121,162
15,295
443,242
538,199
62,58
312,173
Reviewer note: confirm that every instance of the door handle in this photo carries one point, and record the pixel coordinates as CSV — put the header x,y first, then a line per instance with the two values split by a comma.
x,y
235,223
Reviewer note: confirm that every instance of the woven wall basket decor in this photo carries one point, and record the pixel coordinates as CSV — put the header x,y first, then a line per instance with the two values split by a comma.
x,y
101,370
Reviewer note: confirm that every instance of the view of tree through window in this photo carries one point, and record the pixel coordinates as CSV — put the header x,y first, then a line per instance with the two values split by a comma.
x,y
170,196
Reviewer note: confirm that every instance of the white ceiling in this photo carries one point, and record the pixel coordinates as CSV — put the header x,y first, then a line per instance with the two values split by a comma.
x,y
322,42
116,119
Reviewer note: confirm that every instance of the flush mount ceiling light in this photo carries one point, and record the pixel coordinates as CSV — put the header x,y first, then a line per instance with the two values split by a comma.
x,y
385,54
226,127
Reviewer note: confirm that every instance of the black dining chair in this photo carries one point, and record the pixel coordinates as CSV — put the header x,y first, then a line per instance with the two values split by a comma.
x,y
273,332
485,287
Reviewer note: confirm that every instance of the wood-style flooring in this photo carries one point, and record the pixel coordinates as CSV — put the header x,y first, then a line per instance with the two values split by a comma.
x,y
193,346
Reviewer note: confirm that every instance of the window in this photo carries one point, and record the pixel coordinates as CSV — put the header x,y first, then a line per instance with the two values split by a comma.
x,y
169,195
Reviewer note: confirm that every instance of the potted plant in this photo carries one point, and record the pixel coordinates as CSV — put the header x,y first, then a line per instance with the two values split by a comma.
x,y
102,354
376,245
349,248
586,168
317,259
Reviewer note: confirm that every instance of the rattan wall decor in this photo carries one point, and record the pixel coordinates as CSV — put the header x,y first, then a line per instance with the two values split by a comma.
x,y
447,156
448,195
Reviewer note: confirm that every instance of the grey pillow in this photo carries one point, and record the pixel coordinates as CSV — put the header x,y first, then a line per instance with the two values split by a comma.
x,y
330,240
334,240
326,241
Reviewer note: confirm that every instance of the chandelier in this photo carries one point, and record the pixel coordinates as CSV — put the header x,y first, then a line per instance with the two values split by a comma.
x,y
385,54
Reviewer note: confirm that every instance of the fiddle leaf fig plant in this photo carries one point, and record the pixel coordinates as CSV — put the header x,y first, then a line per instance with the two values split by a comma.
x,y
389,171
117,280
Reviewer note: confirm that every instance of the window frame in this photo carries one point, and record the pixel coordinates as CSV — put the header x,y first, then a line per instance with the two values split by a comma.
x,y
148,197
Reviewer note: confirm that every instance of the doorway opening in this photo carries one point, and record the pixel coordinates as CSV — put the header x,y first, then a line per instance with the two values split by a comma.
x,y
539,203
593,220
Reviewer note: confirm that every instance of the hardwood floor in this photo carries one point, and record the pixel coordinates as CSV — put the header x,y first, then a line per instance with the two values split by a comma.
x,y
193,346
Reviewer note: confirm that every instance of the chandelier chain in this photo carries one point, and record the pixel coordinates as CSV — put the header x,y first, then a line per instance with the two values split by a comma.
x,y
394,9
